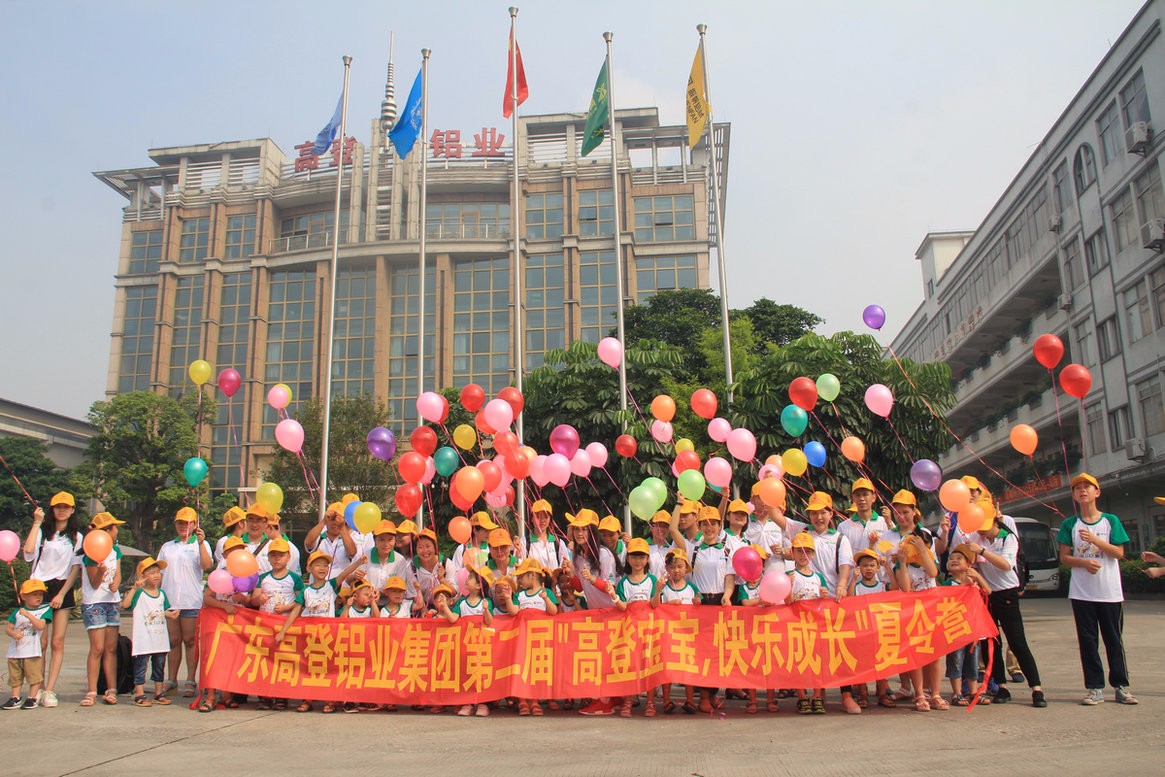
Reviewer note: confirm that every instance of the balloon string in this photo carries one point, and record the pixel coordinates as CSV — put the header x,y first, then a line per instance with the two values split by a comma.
x,y
27,495
198,426
613,483
242,471
900,442
646,425
1060,425
15,588
595,488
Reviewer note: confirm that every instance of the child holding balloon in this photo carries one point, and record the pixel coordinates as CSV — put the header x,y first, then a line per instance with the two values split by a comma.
x,y
750,596
867,582
279,592
220,594
100,580
234,523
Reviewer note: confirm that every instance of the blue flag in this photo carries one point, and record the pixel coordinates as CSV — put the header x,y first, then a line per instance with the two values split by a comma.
x,y
328,133
408,125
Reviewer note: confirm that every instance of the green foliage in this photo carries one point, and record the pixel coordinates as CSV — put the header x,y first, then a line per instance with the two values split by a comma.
x,y
775,324
39,475
8,597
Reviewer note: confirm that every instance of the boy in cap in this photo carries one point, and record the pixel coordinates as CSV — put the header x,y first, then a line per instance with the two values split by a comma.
x,y
864,528
25,659
151,637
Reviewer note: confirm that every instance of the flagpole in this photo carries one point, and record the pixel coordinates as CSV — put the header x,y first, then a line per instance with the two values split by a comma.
x,y
607,36
327,413
516,229
721,254
421,259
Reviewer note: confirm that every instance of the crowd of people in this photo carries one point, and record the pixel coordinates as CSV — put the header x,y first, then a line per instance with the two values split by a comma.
x,y
397,570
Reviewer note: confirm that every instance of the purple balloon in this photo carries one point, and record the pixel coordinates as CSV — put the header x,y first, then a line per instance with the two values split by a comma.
x,y
381,443
564,440
244,584
926,475
874,316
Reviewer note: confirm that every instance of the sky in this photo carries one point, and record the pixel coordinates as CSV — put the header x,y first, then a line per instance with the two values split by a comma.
x,y
856,127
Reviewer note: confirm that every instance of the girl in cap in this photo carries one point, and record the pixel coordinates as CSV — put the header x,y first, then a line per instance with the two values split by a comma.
x,y
234,523
678,591
637,585
532,594
916,570
99,612
750,597
53,551
807,584
963,663
590,561
396,605
228,603
612,537
186,558
542,544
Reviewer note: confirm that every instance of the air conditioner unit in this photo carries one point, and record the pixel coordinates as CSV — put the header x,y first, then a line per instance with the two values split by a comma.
x,y
1055,224
1065,302
1153,235
1137,137
1135,449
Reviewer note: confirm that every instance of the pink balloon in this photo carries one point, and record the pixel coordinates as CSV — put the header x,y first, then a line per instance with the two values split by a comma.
x,y
661,431
220,580
747,564
879,400
278,397
430,471
462,576
229,381
9,545
580,464
719,429
775,586
598,453
564,440
289,435
742,444
718,472
767,471
610,352
496,499
557,469
498,414
431,406
538,471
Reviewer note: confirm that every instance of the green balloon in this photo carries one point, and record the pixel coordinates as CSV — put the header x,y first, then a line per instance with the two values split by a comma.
x,y
658,489
828,387
642,502
794,420
691,484
445,461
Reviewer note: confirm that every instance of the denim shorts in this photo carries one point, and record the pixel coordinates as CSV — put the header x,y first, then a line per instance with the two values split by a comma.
x,y
100,615
188,613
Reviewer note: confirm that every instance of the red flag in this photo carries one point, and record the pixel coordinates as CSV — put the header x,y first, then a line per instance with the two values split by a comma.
x,y
523,90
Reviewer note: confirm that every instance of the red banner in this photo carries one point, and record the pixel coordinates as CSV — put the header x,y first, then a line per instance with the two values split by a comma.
x,y
593,653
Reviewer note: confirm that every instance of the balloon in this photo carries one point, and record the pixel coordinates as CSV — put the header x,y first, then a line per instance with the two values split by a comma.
x,y
242,563
610,352
704,403
794,420
503,497
718,471
411,467
97,545
279,396
684,444
719,429
687,460
658,491
1024,439
464,437
381,443
874,316
557,469
954,495
828,387
538,471
512,397
598,453
446,461
692,484
246,583
742,445
564,440
289,435
879,400
518,465
777,464
459,529
642,502
580,464
491,474
9,545
472,397
853,449
468,483
483,426
199,371
366,517
661,431
229,381
1075,379
408,500
220,581
195,471
270,496
747,564
794,462
432,406
971,518
803,393
926,475
1048,350
424,440
350,513
775,586
772,492
626,446
459,501
506,443
663,408
498,414
430,471
814,453
348,499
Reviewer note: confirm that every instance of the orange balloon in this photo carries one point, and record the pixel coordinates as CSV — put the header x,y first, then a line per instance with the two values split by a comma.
x,y
772,492
459,529
242,563
468,483
1024,439
663,408
98,544
853,449
971,519
954,496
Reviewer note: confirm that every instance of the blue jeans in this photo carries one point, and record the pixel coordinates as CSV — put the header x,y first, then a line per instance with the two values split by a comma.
x,y
157,662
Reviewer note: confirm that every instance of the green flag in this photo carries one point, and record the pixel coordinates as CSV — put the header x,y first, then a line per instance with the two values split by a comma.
x,y
597,114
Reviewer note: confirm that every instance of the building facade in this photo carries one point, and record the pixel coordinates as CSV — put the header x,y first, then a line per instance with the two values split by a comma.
x,y
226,256
1075,247
65,438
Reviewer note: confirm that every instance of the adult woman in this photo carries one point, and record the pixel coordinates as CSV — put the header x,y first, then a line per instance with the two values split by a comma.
x,y
428,567
52,549
187,557
542,545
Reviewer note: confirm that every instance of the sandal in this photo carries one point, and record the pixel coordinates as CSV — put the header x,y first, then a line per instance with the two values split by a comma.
x,y
887,701
669,707
160,698
279,705
169,687
939,703
750,708
232,703
142,700
921,704
803,707
110,697
523,708
688,708
189,688
959,700
983,699
329,708
649,710
263,705
305,706
89,699
772,707
206,705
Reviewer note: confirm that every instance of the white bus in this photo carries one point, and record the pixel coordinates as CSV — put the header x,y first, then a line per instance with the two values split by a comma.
x,y
1037,540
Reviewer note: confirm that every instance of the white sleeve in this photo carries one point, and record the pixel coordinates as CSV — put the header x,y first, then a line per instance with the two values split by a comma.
x,y
31,557
845,551
607,566
793,527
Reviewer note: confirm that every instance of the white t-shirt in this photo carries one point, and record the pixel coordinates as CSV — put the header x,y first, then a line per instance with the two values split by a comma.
x,y
858,533
319,602
182,577
527,601
549,552
150,633
1005,544
28,646
402,610
377,572
642,591
709,567
103,592
279,590
265,563
657,560
1105,585
861,589
808,586
832,551
463,607
767,534
684,595
57,557
352,611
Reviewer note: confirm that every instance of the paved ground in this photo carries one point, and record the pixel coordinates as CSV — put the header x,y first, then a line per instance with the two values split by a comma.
x,y
1064,739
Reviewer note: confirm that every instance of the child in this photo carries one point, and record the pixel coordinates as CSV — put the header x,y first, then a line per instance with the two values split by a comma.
x,y
396,606
428,566
658,545
868,582
916,570
100,612
360,600
531,594
750,597
610,534
637,585
678,591
383,560
474,603
333,537
502,562
278,592
807,584
963,663
541,544
25,657
151,636
228,603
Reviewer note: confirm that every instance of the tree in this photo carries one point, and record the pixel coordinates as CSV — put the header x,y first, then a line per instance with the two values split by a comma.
x,y
676,317
776,324
39,475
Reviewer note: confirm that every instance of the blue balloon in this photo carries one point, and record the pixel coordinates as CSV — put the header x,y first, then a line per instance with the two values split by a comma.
x,y
814,453
350,514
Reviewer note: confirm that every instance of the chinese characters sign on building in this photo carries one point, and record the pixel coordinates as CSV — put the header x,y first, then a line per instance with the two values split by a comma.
x,y
447,144
309,161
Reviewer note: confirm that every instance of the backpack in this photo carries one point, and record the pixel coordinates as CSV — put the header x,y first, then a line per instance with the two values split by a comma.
x,y
1022,570
124,668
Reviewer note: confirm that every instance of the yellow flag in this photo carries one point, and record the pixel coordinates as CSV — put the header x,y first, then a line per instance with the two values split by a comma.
x,y
697,101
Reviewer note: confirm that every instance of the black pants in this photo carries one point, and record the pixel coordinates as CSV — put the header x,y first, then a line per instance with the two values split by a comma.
x,y
1107,619
1004,608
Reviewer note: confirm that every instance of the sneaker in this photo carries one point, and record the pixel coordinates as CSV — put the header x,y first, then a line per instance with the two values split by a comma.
x,y
29,704
49,699
1017,677
804,707
1124,696
482,711
13,703
1002,696
597,707
1093,697
818,706
1038,699
465,710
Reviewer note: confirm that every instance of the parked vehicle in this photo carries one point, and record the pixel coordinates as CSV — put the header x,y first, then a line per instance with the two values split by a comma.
x,y
1037,541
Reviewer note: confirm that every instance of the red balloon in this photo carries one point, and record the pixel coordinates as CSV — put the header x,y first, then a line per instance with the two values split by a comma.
x,y
482,425
412,467
424,440
704,403
518,465
459,501
1075,379
626,446
513,398
803,393
492,473
505,443
444,409
472,397
1048,350
408,500
686,460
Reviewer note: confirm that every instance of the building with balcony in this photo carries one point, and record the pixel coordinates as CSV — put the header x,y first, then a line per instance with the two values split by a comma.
x,y
1075,246
226,256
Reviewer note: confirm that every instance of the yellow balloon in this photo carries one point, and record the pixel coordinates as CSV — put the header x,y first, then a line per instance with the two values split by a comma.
x,y
199,371
464,436
684,444
286,388
349,498
270,496
366,516
795,462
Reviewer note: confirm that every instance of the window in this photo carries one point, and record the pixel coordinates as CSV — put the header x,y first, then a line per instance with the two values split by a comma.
x,y
544,216
1157,294
1073,269
291,337
660,273
1134,101
1120,427
403,341
468,220
1150,200
597,298
930,288
240,236
195,240
1082,334
233,336
186,334
1152,406
355,336
545,318
664,217
1096,253
310,230
1124,222
1109,129
137,338
1094,424
145,251
1138,315
1061,188
1084,169
481,324
1108,341
596,213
